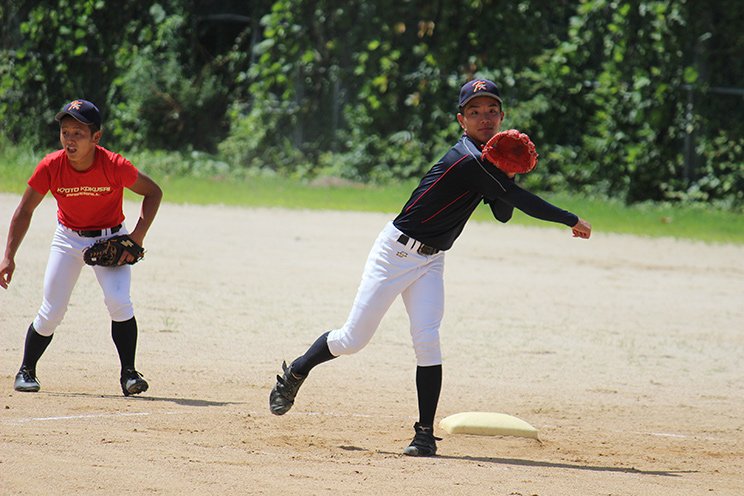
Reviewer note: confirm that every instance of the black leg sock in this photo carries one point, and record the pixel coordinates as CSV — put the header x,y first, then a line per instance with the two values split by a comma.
x,y
124,335
34,347
315,355
428,387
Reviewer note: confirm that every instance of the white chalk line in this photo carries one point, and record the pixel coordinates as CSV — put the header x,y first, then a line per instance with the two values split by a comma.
x,y
666,434
85,417
675,435
91,416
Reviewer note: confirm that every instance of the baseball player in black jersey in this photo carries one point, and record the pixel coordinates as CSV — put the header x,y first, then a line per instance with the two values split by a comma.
x,y
407,258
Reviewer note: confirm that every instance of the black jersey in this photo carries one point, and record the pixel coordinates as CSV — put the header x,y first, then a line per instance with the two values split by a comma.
x,y
448,194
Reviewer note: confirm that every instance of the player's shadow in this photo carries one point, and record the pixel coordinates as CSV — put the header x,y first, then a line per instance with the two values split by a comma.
x,y
541,464
178,401
571,466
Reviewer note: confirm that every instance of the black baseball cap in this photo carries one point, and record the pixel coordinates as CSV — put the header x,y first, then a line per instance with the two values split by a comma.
x,y
82,111
478,87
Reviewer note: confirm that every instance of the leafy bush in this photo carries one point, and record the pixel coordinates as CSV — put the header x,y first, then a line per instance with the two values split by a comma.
x,y
721,177
161,101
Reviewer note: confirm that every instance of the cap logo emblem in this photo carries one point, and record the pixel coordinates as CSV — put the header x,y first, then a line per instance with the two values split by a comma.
x,y
74,105
479,86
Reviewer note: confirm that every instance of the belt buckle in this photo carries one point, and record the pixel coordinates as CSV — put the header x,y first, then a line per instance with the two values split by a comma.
x,y
426,250
422,248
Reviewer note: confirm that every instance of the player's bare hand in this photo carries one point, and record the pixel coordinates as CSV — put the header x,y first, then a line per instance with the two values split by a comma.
x,y
582,229
7,267
125,258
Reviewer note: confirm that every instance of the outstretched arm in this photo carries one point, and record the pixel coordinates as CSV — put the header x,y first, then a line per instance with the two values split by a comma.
x,y
19,225
534,206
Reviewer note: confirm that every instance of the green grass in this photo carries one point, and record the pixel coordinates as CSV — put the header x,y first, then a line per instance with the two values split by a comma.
x,y
679,221
286,193
688,222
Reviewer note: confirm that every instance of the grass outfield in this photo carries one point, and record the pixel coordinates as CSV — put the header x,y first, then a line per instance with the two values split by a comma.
x,y
609,216
689,222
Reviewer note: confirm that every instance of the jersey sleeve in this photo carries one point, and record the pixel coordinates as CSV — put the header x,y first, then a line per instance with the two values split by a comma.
x,y
40,180
536,207
127,171
495,186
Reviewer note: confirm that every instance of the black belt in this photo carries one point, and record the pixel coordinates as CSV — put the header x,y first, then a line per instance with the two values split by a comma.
x,y
97,232
422,249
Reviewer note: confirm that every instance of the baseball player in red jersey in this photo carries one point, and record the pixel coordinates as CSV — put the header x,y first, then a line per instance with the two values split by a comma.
x,y
407,258
88,182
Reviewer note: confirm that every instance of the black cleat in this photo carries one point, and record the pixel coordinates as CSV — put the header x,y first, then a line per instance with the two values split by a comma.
x,y
132,382
283,394
424,443
26,381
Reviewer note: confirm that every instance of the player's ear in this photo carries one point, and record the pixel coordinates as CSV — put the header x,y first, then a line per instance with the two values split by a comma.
x,y
97,136
461,119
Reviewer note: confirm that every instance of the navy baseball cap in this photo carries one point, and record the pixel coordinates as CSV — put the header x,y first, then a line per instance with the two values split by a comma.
x,y
83,111
476,88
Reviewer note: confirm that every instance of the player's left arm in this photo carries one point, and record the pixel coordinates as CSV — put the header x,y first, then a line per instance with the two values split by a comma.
x,y
152,195
536,207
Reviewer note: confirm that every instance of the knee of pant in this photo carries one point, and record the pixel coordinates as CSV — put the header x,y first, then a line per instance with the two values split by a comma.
x,y
428,354
120,311
45,326
344,345
427,348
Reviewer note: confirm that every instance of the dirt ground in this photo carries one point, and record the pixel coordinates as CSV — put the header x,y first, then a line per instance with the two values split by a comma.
x,y
625,353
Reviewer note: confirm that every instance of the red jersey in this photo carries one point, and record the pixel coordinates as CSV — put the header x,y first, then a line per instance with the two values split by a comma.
x,y
91,199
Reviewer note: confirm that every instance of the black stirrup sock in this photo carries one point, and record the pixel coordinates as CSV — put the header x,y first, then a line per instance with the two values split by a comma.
x,y
124,335
428,387
34,347
315,355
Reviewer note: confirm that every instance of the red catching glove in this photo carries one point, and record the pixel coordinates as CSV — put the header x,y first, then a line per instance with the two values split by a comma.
x,y
511,151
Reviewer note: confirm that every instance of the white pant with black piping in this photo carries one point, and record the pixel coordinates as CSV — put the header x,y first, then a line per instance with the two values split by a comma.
x,y
394,269
62,272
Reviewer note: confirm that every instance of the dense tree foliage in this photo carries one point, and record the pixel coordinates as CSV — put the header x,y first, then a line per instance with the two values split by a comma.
x,y
639,100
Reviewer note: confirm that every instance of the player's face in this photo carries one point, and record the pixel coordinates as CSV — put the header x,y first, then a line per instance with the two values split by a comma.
x,y
78,141
481,118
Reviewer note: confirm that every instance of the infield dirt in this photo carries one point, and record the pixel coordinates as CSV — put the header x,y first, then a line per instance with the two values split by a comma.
x,y
624,352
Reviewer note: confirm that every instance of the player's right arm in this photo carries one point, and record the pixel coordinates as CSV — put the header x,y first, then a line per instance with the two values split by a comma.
x,y
19,225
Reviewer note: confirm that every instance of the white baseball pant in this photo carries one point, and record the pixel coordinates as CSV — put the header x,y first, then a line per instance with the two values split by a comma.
x,y
62,272
394,269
